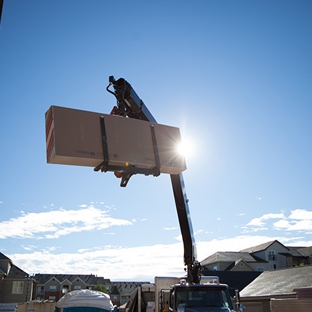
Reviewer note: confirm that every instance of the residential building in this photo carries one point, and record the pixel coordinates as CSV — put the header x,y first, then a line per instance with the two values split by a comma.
x,y
298,256
269,256
229,261
54,286
16,286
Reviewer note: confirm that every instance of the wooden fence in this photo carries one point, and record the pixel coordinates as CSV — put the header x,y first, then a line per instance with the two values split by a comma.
x,y
291,305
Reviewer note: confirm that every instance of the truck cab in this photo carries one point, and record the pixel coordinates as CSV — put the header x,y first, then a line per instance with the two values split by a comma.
x,y
200,298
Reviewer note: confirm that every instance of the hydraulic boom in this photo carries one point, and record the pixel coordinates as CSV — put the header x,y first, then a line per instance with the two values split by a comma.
x,y
130,105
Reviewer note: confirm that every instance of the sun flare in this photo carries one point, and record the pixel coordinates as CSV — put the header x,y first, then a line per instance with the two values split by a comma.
x,y
186,149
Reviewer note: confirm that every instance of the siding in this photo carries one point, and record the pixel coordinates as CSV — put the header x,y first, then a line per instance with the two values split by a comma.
x,y
8,297
291,305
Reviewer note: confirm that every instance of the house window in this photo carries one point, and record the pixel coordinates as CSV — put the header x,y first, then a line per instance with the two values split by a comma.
x,y
65,289
272,267
40,290
272,255
52,288
17,287
52,298
260,269
77,287
215,268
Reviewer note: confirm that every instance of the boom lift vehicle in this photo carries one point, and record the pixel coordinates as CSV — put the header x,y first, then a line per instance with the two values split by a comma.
x,y
188,294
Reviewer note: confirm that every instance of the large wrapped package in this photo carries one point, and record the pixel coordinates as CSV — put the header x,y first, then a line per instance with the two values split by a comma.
x,y
75,137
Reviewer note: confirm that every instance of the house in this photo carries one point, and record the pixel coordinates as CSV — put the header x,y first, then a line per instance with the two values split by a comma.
x,y
298,256
232,268
229,261
278,256
54,286
269,256
16,286
239,269
287,284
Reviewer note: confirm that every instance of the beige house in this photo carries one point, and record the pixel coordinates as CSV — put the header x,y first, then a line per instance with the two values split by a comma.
x,y
269,256
16,285
229,261
239,269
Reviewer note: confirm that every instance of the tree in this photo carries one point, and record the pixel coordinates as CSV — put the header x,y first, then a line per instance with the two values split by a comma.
x,y
101,288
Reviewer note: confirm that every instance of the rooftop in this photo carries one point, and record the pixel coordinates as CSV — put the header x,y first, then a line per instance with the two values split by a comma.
x,y
279,282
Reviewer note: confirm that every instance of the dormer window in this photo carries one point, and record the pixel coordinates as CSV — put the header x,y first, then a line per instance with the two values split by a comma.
x,y
17,287
272,255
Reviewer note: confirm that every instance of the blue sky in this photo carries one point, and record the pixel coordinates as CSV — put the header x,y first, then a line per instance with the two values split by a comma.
x,y
234,76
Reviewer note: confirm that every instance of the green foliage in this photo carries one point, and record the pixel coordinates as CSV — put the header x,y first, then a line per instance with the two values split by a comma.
x,y
101,288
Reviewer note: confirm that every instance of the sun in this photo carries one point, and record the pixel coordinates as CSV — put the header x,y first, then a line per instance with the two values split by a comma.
x,y
186,148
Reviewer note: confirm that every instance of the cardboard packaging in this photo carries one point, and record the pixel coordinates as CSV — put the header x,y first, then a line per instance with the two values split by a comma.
x,y
74,137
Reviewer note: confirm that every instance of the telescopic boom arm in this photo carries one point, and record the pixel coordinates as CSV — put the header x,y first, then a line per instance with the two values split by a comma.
x,y
130,105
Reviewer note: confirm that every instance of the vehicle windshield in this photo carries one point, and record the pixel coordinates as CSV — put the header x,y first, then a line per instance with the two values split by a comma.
x,y
200,299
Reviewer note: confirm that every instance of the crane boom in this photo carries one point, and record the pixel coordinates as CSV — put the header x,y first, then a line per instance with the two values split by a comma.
x,y
130,105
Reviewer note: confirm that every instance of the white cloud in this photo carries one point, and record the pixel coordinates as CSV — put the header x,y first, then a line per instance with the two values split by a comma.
x,y
301,225
301,214
56,223
282,224
118,263
125,263
135,263
29,247
298,220
254,230
178,238
260,221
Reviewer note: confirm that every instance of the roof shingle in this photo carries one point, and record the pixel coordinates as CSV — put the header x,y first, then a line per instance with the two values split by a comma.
x,y
279,282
